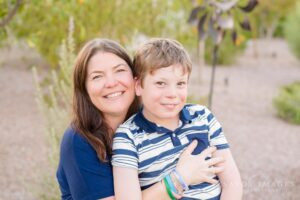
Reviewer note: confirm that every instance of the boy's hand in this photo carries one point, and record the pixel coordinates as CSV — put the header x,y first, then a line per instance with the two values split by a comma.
x,y
195,169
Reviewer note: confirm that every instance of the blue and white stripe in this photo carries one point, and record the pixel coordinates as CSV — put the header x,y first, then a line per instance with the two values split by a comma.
x,y
154,150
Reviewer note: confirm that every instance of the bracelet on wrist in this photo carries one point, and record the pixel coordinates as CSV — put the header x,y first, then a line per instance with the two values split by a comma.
x,y
170,194
180,180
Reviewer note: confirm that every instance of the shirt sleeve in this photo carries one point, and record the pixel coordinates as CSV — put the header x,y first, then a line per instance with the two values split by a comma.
x,y
215,131
124,149
81,174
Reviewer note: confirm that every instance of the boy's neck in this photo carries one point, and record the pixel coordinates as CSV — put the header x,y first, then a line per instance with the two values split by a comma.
x,y
169,123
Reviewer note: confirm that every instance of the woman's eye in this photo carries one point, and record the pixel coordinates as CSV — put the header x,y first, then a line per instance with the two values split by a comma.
x,y
96,77
121,70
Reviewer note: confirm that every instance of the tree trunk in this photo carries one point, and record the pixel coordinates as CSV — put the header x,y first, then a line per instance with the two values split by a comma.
x,y
201,59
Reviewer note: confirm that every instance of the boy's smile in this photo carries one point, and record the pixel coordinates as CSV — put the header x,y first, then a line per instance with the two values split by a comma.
x,y
163,93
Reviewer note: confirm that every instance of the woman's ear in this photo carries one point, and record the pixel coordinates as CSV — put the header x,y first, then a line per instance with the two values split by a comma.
x,y
138,87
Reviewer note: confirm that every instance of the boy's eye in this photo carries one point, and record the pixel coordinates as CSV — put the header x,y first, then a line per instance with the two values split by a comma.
x,y
160,83
182,83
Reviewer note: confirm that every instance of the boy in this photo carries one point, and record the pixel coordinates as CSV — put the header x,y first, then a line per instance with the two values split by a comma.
x,y
151,141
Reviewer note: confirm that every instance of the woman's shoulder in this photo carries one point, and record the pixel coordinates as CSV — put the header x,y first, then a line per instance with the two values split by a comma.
x,y
72,138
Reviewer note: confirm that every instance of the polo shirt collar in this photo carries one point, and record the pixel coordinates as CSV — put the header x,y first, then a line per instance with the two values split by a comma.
x,y
150,127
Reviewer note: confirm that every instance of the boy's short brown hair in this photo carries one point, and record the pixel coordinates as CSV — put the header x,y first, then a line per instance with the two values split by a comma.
x,y
159,53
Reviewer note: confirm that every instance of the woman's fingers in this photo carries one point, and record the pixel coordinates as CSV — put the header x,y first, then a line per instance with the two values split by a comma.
x,y
191,147
214,161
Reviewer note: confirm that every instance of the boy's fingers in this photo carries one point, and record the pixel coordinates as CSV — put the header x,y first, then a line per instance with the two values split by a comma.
x,y
214,161
216,170
207,152
210,180
191,147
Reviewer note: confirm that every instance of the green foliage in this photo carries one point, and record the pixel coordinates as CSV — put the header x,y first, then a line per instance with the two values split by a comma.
x,y
269,17
43,23
287,103
54,100
292,30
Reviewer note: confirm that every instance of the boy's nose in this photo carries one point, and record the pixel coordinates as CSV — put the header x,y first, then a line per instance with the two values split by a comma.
x,y
171,93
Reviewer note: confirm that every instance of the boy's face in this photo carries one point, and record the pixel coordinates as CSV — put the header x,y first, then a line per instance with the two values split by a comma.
x,y
163,94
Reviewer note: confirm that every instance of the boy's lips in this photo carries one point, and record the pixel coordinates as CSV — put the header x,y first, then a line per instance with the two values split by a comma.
x,y
170,105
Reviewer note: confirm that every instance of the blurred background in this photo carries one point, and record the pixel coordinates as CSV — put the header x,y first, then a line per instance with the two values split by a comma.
x,y
245,68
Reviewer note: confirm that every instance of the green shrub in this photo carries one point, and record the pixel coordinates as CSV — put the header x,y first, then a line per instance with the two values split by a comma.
x,y
287,103
292,30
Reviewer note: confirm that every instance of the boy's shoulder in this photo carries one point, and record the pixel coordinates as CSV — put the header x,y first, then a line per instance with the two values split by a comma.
x,y
128,126
195,109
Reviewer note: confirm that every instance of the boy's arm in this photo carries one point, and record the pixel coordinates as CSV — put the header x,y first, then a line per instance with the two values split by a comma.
x,y
126,183
230,179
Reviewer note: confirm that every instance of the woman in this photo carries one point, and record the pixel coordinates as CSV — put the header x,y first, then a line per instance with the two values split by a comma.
x,y
103,98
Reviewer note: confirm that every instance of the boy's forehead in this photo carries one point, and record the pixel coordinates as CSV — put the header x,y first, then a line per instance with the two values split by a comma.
x,y
175,69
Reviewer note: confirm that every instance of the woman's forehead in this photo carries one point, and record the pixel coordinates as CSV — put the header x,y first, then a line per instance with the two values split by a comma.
x,y
105,61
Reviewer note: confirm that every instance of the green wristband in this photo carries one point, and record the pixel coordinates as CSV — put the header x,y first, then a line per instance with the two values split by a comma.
x,y
169,190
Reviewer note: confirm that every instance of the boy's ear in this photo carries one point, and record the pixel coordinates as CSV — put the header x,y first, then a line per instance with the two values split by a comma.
x,y
138,87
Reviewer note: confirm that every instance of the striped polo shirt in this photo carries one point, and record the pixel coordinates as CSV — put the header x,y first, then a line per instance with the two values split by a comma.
x,y
154,150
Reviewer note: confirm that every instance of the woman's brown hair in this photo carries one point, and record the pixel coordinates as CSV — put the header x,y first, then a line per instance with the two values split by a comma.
x,y
88,120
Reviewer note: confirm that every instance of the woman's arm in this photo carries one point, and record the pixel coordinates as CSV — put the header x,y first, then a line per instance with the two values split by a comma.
x,y
232,188
193,168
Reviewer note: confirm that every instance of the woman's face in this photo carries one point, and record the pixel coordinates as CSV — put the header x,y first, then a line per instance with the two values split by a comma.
x,y
110,84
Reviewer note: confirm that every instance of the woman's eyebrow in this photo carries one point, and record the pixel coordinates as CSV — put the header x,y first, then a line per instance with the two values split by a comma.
x,y
114,67
118,65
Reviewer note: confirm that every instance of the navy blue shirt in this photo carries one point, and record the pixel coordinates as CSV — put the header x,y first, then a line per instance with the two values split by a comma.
x,y
80,174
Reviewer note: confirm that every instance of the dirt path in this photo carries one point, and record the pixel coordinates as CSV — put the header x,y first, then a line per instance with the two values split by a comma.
x,y
22,144
266,148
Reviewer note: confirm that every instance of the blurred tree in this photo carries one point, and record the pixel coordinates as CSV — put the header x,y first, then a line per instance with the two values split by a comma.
x,y
9,9
43,24
270,16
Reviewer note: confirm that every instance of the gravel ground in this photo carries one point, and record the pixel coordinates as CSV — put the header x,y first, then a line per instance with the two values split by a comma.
x,y
265,148
23,153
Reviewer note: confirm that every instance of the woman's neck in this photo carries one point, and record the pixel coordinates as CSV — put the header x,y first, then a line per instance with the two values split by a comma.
x,y
114,121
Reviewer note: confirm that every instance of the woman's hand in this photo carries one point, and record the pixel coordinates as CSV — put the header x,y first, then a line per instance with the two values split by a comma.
x,y
195,169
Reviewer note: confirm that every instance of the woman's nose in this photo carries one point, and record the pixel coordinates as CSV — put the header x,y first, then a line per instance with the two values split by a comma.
x,y
111,81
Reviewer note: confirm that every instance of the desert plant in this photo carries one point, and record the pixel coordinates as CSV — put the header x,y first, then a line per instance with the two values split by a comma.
x,y
54,100
287,103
